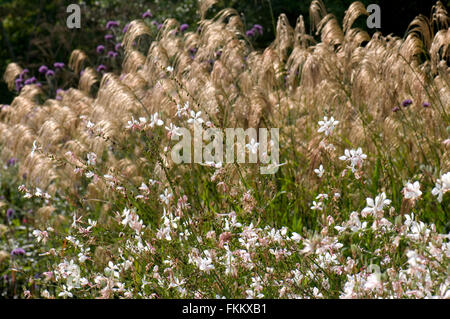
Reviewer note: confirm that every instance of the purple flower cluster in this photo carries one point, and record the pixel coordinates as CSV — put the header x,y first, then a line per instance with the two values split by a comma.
x,y
157,25
125,28
31,80
101,68
43,69
58,94
23,80
50,73
407,102
192,52
58,65
112,54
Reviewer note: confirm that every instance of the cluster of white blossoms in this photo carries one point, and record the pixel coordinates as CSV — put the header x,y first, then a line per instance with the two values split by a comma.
x,y
71,274
37,193
365,254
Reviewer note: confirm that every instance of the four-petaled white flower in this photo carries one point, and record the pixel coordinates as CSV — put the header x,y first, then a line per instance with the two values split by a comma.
x,y
319,171
173,130
65,292
132,124
375,206
154,120
316,205
252,146
355,157
90,124
327,126
195,118
112,270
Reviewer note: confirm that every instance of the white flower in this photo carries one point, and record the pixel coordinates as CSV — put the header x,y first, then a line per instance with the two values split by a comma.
x,y
39,192
251,294
376,206
154,120
40,235
412,191
144,188
142,121
252,146
213,164
319,171
195,118
205,264
327,126
92,158
373,282
438,190
89,174
296,237
317,293
182,110
169,69
112,270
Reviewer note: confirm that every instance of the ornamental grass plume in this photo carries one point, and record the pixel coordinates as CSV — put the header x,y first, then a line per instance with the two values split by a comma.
x,y
95,162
